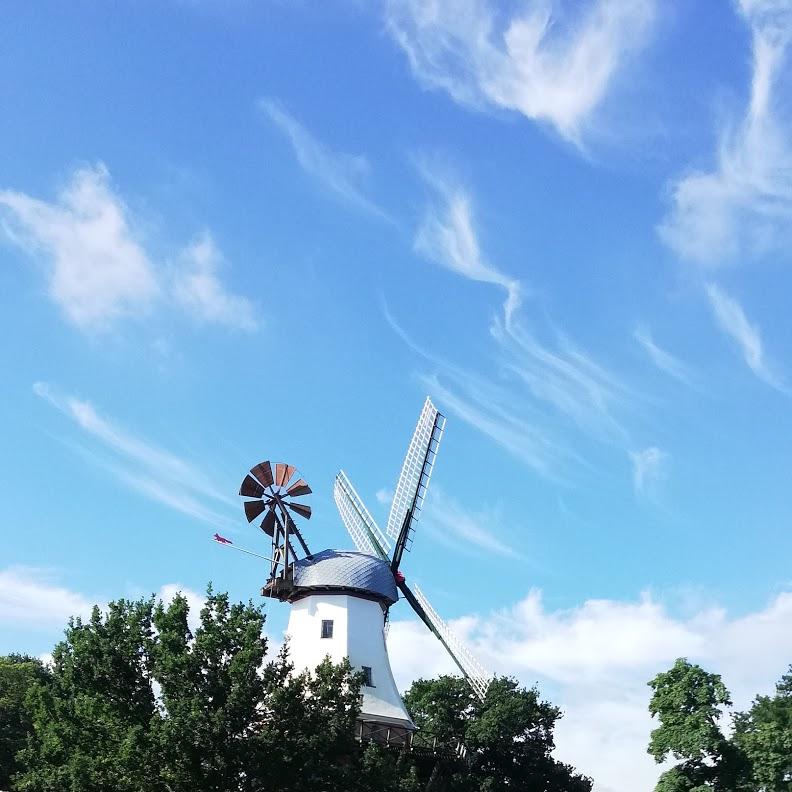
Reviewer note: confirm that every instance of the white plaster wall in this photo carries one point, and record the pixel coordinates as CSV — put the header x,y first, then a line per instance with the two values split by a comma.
x,y
357,634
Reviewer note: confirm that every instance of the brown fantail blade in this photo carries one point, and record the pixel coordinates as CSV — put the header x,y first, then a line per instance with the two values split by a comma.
x,y
268,523
300,487
253,509
283,473
263,472
251,488
301,509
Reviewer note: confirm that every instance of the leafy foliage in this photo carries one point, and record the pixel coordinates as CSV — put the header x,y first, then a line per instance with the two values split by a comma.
x,y
756,758
508,737
764,734
688,701
135,701
18,673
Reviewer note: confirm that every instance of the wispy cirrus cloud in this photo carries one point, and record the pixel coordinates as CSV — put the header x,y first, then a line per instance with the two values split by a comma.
x,y
343,175
97,267
496,413
568,380
492,408
530,426
544,387
662,359
744,205
447,237
559,374
746,336
549,66
649,467
156,473
466,529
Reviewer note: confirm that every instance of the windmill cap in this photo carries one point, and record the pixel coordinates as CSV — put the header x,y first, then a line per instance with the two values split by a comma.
x,y
345,571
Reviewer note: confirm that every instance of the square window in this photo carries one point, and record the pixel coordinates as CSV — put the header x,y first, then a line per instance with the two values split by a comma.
x,y
327,628
367,680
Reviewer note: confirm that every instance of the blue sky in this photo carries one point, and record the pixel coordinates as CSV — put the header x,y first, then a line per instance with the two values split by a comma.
x,y
238,231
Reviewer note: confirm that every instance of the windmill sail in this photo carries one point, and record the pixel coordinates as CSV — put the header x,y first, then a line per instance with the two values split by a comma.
x,y
478,678
407,502
360,525
414,477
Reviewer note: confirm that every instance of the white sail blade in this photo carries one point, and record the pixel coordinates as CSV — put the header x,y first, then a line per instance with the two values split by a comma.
x,y
478,678
417,468
360,525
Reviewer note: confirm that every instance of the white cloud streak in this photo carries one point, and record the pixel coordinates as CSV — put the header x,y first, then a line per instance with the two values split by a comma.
x,y
490,408
744,205
154,472
548,66
594,661
31,598
731,318
662,359
97,268
538,374
563,377
464,528
341,174
492,411
448,238
200,292
648,468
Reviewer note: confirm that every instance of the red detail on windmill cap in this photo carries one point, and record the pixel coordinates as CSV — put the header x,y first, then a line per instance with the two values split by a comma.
x,y
399,577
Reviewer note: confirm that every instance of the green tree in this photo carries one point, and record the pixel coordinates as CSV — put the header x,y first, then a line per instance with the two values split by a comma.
x,y
764,734
508,737
379,769
307,737
91,718
211,692
688,701
136,702
18,674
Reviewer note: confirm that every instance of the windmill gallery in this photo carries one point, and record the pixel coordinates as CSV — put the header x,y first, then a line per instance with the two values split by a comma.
x,y
341,599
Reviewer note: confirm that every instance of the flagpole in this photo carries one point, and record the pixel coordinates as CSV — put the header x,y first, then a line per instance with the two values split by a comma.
x,y
241,550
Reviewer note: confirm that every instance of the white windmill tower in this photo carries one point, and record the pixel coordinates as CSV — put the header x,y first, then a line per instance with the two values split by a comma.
x,y
340,599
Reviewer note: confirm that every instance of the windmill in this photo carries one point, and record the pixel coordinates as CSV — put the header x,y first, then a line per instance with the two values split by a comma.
x,y
404,512
340,599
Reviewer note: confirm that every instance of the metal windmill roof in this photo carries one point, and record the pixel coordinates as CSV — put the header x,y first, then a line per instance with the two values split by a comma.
x,y
346,570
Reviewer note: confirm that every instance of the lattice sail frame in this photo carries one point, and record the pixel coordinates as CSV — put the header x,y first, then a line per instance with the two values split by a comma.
x,y
478,678
416,469
410,492
360,525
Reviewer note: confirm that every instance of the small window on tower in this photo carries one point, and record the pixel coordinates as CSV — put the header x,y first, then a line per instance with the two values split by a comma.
x,y
367,680
327,628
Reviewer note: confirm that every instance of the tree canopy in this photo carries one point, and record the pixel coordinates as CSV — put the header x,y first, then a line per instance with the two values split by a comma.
x,y
136,701
757,757
18,673
508,736
764,735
